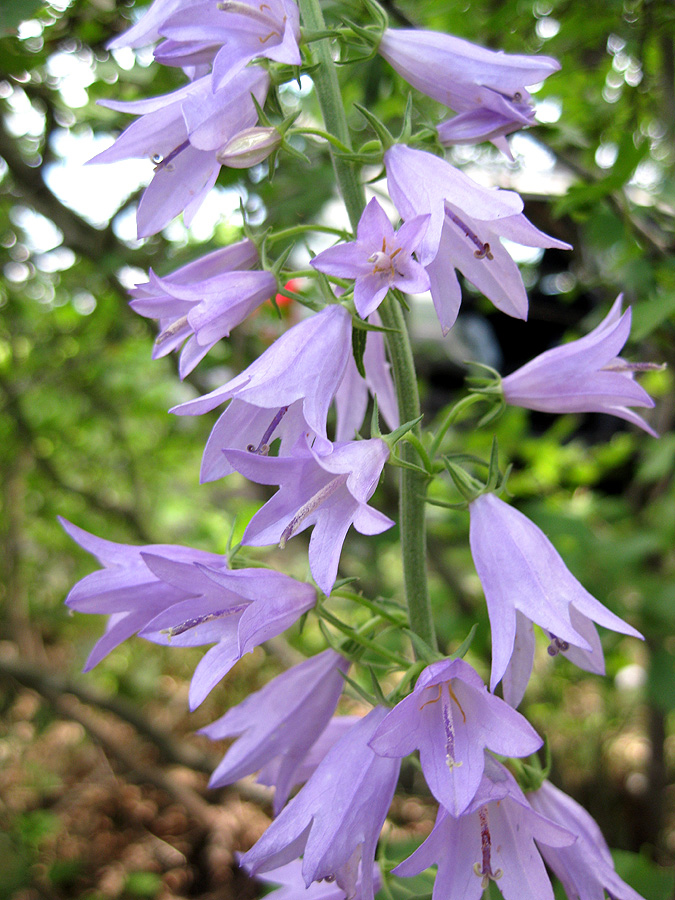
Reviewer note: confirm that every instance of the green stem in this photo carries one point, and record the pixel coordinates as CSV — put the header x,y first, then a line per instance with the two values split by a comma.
x,y
413,484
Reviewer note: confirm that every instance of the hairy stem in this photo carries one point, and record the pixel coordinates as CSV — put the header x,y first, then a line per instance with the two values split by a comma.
x,y
413,484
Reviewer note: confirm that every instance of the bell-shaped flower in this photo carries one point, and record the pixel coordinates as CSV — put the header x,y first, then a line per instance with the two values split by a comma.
x,y
351,399
126,589
585,868
336,818
181,133
451,717
519,668
237,30
280,723
244,426
306,363
270,774
237,610
521,570
327,490
486,87
146,30
379,259
492,841
198,314
292,886
585,375
466,224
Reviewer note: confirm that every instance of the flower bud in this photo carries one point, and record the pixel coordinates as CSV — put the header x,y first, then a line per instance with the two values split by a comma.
x,y
249,147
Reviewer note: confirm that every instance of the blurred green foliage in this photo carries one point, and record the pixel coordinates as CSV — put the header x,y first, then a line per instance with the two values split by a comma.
x,y
84,431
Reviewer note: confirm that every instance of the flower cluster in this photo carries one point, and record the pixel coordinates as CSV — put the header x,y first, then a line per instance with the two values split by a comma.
x,y
277,429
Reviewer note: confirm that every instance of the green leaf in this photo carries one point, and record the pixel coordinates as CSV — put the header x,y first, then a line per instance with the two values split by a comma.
x,y
359,348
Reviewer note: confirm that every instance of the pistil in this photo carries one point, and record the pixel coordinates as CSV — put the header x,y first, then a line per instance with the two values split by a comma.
x,y
482,250
484,868
313,503
188,624
263,447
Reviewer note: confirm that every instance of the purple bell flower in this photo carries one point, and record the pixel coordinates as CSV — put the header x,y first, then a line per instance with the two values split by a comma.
x,y
306,363
200,303
292,886
280,723
327,490
336,818
244,426
235,32
146,30
451,718
521,571
466,225
269,774
379,259
126,589
586,375
492,841
181,133
237,610
485,87
585,868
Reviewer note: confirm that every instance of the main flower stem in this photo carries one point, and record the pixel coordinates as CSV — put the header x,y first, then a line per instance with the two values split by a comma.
x,y
413,484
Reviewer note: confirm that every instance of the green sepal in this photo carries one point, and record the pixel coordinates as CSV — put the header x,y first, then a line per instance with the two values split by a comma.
x,y
358,349
395,436
377,689
362,692
422,649
467,486
386,138
461,651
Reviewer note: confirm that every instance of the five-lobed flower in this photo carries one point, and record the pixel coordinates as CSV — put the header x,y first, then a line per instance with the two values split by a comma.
x,y
451,718
277,725
336,818
379,259
521,571
586,375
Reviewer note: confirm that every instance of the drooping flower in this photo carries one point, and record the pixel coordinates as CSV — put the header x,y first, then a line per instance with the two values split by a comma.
x,y
200,303
244,426
306,363
586,375
519,669
485,87
200,313
336,818
234,609
492,841
292,886
126,589
585,868
146,30
451,718
236,31
521,570
379,259
351,399
279,723
181,133
466,224
329,490
270,773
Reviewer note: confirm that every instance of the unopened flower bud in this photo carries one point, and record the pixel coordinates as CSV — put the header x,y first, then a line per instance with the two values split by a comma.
x,y
249,147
